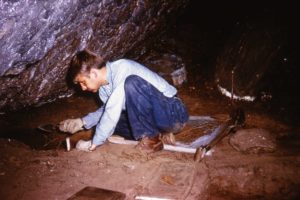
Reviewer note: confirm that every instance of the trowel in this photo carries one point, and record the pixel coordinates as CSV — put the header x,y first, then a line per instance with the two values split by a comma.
x,y
48,128
51,128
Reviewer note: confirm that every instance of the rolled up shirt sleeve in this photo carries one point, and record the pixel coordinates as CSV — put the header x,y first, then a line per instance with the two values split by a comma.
x,y
111,115
92,118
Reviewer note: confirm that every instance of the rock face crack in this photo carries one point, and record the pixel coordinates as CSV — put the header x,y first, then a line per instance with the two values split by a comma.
x,y
38,39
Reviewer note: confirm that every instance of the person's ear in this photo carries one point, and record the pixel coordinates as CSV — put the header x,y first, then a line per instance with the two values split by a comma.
x,y
93,74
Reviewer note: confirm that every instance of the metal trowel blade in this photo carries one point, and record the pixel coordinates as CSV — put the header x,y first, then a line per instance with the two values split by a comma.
x,y
48,128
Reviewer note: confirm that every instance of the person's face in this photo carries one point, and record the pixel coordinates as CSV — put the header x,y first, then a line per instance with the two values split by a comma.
x,y
91,82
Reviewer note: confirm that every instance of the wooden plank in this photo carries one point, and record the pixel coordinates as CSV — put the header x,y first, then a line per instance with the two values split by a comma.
x,y
120,140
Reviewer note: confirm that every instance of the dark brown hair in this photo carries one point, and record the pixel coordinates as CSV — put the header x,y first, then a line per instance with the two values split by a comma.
x,y
83,62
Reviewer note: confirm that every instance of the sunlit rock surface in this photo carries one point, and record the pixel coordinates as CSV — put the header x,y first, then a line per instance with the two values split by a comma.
x,y
38,39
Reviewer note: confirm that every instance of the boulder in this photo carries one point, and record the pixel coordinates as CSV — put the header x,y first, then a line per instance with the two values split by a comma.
x,y
248,56
254,140
39,38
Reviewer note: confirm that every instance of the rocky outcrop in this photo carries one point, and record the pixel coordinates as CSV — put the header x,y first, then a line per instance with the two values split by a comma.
x,y
38,39
253,140
248,55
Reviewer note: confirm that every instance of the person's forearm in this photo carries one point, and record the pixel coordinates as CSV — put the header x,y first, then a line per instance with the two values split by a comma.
x,y
92,118
107,124
103,130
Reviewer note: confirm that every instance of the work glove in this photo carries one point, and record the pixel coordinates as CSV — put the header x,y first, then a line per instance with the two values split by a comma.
x,y
71,125
83,145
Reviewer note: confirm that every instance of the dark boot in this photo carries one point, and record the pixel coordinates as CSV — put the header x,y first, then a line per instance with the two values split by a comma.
x,y
152,144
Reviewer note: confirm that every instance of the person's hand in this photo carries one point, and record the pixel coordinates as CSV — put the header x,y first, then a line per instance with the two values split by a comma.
x,y
92,147
83,145
71,125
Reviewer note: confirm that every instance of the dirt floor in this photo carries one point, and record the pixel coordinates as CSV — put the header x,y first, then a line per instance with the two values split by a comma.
x,y
36,165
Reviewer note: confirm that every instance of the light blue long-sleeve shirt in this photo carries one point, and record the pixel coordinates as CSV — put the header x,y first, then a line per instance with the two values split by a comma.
x,y
113,96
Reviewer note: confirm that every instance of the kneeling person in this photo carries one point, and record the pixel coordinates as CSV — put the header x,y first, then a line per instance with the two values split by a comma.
x,y
138,104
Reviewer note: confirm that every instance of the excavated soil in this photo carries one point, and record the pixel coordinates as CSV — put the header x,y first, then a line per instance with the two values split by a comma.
x,y
36,165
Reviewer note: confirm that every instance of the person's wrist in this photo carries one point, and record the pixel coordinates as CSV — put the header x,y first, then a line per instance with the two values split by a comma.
x,y
82,122
92,147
